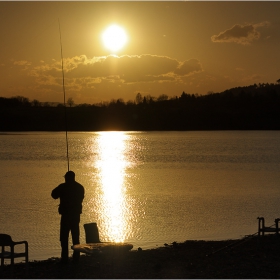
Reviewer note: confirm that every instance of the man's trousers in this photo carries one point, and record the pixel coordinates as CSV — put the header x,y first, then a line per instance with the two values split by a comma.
x,y
69,223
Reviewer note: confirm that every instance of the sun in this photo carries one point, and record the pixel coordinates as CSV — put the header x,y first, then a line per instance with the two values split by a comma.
x,y
114,38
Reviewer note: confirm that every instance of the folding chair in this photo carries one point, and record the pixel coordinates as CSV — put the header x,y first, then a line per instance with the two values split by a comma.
x,y
6,241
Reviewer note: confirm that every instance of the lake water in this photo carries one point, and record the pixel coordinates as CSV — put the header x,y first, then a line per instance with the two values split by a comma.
x,y
145,188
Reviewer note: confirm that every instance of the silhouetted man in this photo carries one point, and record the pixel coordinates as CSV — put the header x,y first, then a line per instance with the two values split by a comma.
x,y
71,195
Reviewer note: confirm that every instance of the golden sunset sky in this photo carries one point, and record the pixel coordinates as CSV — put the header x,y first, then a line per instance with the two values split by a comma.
x,y
171,47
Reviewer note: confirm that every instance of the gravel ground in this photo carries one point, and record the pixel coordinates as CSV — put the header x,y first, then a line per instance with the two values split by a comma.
x,y
248,258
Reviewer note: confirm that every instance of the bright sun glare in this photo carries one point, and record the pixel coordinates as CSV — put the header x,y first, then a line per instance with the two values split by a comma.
x,y
114,38
112,165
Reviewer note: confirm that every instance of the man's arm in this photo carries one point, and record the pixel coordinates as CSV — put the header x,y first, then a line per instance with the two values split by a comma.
x,y
56,193
82,193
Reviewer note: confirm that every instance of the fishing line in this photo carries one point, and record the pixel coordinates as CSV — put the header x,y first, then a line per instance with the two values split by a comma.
x,y
63,85
238,242
235,243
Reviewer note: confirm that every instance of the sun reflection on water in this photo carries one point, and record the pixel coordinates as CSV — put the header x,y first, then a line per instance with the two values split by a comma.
x,y
111,165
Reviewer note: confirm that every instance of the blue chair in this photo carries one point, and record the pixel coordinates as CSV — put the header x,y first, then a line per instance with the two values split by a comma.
x,y
6,241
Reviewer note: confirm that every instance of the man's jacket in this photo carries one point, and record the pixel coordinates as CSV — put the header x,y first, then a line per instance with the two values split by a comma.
x,y
71,196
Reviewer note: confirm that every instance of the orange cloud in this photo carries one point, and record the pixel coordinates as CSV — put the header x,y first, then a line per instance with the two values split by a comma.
x,y
124,69
240,34
22,62
188,67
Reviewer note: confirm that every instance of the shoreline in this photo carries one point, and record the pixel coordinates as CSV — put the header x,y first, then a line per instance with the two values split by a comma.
x,y
251,257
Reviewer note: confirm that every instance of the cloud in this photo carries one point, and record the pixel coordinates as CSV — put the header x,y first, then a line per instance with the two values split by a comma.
x,y
125,69
91,79
128,68
188,67
240,34
22,63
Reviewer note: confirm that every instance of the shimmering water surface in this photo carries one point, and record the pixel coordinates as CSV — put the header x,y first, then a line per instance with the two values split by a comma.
x,y
145,188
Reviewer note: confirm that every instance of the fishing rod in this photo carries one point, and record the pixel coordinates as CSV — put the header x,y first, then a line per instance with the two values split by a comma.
x,y
63,85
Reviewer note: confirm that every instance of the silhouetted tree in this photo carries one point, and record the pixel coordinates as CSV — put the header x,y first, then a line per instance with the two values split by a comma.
x,y
21,101
46,104
138,98
35,103
70,102
150,99
162,97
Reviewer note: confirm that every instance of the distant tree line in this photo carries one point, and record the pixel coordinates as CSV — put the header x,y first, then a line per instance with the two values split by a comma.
x,y
255,107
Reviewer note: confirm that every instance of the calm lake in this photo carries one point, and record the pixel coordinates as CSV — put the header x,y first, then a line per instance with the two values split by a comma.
x,y
145,188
